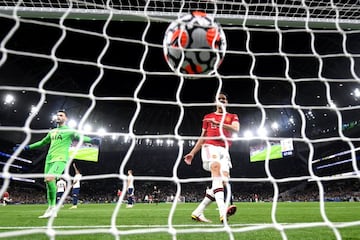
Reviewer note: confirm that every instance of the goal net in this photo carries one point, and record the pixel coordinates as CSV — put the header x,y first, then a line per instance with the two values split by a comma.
x,y
291,71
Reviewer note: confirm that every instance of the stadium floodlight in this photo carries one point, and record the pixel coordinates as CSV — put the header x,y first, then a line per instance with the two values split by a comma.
x,y
33,110
114,136
356,93
9,99
101,132
127,138
87,128
169,142
275,126
248,134
262,132
72,123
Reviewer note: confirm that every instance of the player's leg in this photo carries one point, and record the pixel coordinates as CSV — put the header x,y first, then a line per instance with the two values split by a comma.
x,y
48,211
6,200
216,193
225,170
51,191
61,195
228,193
55,171
211,162
58,197
198,213
75,197
218,188
130,198
231,209
52,170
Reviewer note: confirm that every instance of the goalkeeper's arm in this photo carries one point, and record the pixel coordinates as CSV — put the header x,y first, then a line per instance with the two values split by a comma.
x,y
95,141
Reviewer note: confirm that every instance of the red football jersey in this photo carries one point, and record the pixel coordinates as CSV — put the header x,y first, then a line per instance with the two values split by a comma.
x,y
213,130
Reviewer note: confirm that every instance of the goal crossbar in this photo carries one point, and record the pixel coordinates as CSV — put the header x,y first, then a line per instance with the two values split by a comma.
x,y
294,13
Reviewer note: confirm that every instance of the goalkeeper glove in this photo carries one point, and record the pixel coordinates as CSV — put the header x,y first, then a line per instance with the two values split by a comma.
x,y
18,145
95,141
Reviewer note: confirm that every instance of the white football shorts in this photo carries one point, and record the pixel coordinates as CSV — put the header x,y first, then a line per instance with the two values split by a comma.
x,y
211,153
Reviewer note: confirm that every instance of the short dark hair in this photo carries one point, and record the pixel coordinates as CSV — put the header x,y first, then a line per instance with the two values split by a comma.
x,y
224,93
62,111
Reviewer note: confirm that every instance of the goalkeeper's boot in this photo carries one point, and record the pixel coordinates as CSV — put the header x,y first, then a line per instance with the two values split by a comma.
x,y
49,212
200,218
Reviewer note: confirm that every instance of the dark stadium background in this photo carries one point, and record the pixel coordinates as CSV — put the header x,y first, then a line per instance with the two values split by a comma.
x,y
115,115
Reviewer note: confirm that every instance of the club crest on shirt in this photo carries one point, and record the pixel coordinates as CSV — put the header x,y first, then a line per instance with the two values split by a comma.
x,y
214,156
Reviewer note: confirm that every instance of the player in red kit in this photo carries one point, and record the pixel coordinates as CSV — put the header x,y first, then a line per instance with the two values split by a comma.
x,y
214,143
6,198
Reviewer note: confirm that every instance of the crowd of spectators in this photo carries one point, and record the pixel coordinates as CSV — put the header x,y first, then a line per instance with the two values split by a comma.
x,y
347,190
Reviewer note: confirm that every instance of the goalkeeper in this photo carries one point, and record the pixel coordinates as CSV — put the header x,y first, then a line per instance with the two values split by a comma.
x,y
60,139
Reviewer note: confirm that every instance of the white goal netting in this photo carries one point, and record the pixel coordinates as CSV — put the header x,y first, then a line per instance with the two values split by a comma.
x,y
292,73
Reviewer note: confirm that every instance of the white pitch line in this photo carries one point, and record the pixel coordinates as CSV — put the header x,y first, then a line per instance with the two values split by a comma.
x,y
205,225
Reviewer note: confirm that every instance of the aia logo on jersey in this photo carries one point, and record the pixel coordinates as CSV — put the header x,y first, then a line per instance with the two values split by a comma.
x,y
55,136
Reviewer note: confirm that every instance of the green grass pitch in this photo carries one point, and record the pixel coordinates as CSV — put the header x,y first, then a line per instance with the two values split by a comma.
x,y
275,153
86,153
298,220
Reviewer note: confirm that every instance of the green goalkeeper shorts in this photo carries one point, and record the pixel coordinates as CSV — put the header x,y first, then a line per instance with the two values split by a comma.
x,y
55,168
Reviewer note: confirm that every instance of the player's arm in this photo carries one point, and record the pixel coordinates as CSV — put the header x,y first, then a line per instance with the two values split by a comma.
x,y
78,136
75,168
233,127
190,156
76,179
87,139
45,141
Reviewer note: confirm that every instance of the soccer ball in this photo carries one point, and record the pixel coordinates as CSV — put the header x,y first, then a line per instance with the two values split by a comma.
x,y
194,44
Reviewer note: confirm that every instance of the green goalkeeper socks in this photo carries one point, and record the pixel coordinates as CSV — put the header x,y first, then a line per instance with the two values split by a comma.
x,y
51,193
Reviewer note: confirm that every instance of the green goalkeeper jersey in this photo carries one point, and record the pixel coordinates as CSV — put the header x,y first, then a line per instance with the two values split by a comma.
x,y
60,140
